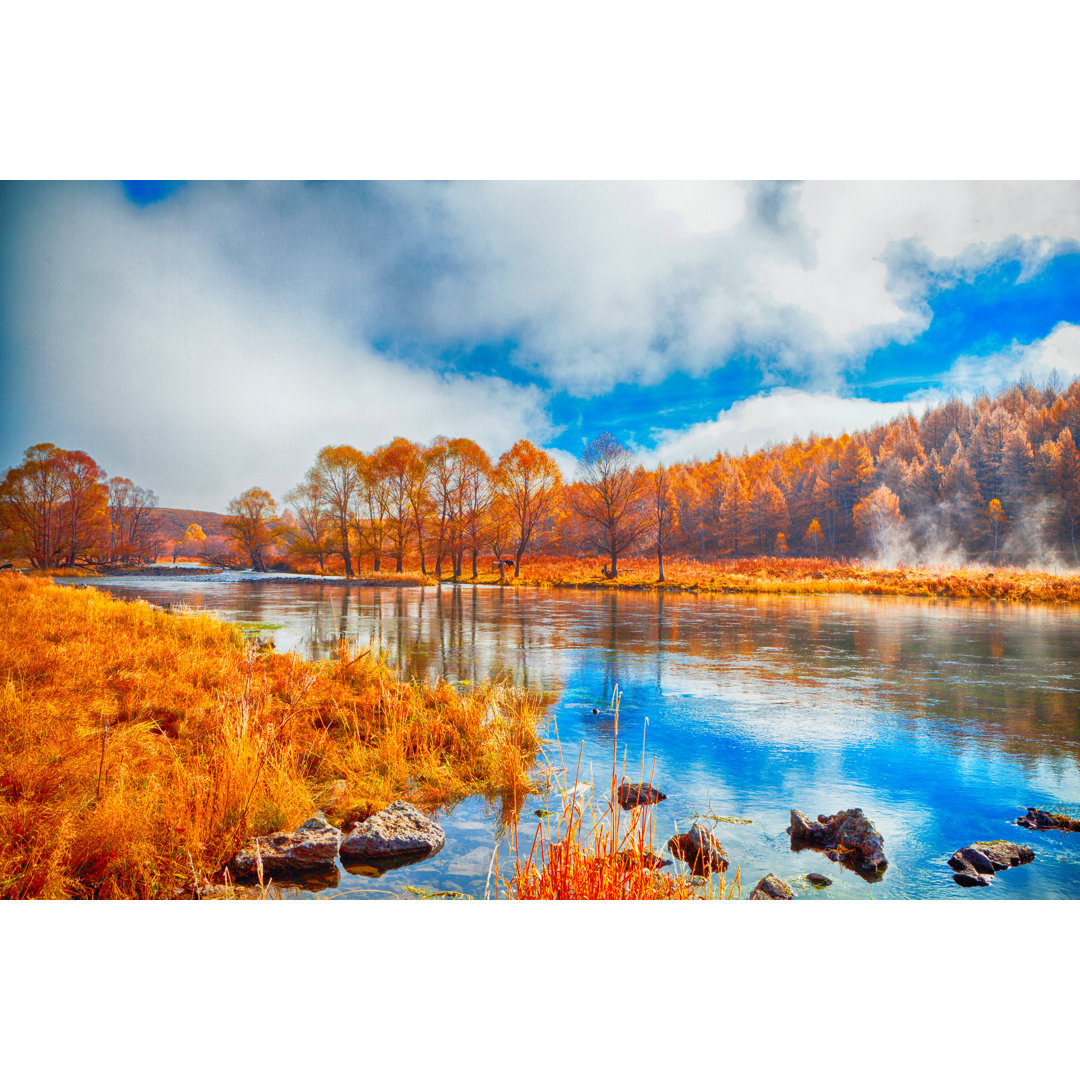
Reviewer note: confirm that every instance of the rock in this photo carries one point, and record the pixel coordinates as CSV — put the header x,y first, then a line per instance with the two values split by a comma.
x,y
977,863
1042,819
819,881
310,848
631,795
398,830
847,836
229,892
649,859
771,887
700,849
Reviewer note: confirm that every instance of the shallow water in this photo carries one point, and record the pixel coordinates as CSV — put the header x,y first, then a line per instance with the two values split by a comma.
x,y
941,719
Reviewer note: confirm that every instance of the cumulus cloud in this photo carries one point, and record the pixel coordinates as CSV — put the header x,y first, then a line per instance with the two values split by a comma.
x,y
597,284
140,346
775,417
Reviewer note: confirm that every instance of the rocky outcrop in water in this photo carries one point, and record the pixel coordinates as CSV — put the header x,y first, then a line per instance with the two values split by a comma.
x,y
848,837
399,830
819,881
631,795
976,864
1042,819
311,848
771,887
700,850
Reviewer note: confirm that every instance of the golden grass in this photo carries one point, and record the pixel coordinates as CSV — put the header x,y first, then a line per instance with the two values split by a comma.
x,y
803,577
139,748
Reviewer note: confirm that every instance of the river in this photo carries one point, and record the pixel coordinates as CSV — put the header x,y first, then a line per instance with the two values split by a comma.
x,y
941,719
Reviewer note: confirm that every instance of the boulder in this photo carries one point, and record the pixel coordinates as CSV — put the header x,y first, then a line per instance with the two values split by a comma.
x,y
398,830
977,863
700,849
631,795
1042,819
819,881
771,887
847,836
311,848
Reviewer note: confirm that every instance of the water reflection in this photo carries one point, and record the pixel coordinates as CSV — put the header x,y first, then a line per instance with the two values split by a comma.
x,y
941,719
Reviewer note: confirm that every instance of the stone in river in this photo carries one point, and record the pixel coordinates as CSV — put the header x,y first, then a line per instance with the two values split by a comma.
x,y
1043,819
631,795
700,849
311,848
398,830
771,887
847,836
819,881
977,863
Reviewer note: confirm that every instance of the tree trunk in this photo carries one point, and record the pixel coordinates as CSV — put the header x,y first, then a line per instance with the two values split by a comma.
x,y
660,561
399,562
346,554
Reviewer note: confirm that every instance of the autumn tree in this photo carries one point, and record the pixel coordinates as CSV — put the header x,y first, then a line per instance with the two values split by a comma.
x,y
529,481
337,474
401,463
813,536
51,505
314,523
612,495
130,521
662,509
84,498
250,524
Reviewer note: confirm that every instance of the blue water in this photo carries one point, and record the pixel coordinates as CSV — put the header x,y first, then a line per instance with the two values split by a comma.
x,y
941,719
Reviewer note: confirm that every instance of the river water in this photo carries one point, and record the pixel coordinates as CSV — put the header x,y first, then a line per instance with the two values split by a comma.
x,y
941,719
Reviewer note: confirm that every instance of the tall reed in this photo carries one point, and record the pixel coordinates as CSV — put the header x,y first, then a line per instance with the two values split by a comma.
x,y
611,859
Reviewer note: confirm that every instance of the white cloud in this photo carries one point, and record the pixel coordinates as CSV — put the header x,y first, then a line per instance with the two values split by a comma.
x,y
778,416
623,282
143,349
1059,351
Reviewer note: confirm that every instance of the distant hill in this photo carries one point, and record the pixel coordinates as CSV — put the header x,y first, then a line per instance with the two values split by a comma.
x,y
173,523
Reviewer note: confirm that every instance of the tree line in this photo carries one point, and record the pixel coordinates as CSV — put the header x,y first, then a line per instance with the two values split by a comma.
x,y
996,479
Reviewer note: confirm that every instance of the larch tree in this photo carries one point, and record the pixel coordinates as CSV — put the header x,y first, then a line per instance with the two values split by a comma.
x,y
877,517
662,508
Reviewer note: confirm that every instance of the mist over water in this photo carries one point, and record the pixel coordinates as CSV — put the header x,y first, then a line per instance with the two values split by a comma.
x,y
941,719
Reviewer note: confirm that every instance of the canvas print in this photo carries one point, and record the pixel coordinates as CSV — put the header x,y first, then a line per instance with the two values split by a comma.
x,y
539,540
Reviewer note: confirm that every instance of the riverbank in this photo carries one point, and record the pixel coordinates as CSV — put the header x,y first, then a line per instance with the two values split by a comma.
x,y
800,577
139,748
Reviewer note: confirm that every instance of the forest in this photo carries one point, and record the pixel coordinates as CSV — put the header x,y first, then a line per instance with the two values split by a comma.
x,y
996,481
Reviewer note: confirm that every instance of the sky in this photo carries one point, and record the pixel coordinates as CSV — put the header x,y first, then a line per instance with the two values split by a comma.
x,y
201,338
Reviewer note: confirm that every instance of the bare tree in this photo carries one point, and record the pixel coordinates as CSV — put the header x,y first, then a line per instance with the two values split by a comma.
x,y
611,494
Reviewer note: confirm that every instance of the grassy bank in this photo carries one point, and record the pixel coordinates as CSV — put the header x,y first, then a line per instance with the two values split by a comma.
x,y
139,748
803,577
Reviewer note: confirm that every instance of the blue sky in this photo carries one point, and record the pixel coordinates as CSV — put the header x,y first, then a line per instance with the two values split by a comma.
x,y
200,338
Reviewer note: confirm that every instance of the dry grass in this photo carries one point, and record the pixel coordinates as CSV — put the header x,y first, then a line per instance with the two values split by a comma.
x,y
804,577
139,748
